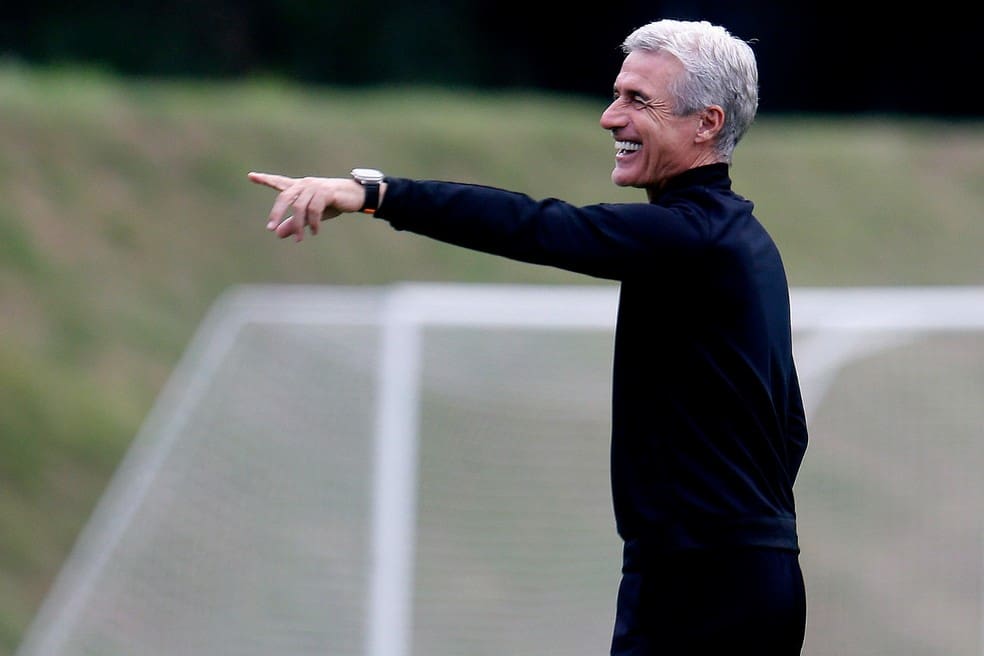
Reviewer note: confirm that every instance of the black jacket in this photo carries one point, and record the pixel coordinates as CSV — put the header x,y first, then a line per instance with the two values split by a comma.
x,y
708,427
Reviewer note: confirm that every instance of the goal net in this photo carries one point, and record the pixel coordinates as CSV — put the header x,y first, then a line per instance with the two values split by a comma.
x,y
423,470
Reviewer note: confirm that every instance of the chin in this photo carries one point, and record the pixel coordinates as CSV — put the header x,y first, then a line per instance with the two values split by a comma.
x,y
623,179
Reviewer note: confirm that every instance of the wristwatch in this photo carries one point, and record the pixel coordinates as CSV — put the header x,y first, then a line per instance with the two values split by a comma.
x,y
370,179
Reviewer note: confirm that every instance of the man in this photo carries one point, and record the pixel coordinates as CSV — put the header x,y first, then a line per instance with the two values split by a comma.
x,y
708,427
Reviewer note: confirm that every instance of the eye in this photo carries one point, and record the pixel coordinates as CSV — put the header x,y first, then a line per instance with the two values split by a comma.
x,y
632,99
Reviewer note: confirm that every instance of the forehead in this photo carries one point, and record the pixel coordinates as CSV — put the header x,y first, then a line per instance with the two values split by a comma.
x,y
649,72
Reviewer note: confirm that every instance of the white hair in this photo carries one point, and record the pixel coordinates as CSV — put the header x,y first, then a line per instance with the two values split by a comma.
x,y
720,69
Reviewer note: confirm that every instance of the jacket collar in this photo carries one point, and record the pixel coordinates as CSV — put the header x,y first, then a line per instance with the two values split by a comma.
x,y
709,175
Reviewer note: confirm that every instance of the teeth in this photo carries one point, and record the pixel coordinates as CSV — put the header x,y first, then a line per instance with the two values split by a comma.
x,y
627,145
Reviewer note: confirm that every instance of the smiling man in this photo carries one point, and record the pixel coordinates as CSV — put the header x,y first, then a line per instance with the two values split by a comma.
x,y
708,427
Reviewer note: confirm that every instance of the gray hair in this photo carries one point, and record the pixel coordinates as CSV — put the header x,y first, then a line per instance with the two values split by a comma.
x,y
720,70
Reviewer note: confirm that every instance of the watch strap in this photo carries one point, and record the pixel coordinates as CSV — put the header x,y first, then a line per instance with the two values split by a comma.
x,y
371,202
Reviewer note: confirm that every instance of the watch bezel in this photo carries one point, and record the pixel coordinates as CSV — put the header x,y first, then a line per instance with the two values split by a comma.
x,y
368,176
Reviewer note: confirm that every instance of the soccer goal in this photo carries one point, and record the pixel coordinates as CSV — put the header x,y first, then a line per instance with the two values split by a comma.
x,y
423,470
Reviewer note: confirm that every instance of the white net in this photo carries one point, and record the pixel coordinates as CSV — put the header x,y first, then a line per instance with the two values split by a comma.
x,y
424,470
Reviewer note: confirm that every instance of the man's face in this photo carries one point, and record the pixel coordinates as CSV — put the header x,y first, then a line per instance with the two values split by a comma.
x,y
651,143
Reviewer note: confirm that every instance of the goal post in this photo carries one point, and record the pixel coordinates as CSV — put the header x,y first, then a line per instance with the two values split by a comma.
x,y
405,312
422,468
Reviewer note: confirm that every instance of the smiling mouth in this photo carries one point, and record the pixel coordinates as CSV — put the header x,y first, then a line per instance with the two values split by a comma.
x,y
626,147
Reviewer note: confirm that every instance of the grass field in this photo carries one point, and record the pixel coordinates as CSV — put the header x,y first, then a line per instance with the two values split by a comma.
x,y
126,213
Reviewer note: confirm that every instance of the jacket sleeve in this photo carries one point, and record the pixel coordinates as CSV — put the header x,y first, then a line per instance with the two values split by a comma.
x,y
611,241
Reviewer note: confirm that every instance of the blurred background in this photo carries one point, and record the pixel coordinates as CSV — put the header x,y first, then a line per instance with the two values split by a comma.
x,y
126,132
813,57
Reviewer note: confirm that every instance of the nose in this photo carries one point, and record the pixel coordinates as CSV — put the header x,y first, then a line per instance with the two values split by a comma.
x,y
611,118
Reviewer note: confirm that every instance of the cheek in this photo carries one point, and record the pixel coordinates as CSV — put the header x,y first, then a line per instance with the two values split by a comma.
x,y
654,131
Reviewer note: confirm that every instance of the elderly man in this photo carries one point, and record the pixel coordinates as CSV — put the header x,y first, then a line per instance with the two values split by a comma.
x,y
708,426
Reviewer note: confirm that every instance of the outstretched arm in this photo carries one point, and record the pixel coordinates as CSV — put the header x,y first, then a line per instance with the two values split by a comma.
x,y
307,201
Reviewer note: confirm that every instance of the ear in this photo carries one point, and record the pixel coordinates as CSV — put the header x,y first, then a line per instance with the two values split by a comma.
x,y
711,122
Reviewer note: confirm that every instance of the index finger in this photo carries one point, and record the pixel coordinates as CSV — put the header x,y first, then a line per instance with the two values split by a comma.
x,y
278,182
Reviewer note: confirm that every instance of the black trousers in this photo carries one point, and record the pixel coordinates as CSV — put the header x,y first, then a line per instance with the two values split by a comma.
x,y
711,602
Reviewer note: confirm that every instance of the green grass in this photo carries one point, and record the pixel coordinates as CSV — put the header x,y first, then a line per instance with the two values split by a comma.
x,y
126,213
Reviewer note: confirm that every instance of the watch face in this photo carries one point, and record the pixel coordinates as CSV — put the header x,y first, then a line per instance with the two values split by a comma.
x,y
367,175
